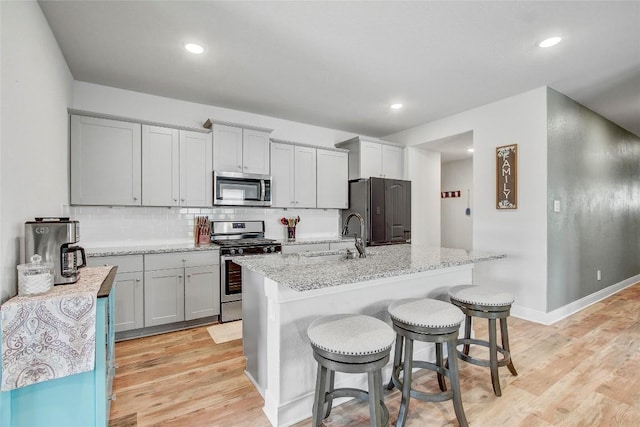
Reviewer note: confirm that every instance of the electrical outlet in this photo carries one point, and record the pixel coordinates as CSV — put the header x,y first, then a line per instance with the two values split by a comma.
x,y
556,205
599,275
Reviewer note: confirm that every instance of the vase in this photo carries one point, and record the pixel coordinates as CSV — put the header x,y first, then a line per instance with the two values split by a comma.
x,y
291,233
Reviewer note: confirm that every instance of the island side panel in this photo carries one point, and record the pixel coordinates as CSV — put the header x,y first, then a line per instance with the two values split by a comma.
x,y
290,363
254,328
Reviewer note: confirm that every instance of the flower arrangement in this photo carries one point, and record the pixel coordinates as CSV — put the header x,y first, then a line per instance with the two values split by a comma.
x,y
291,224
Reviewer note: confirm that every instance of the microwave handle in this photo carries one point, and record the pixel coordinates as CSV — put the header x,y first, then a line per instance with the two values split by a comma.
x,y
263,189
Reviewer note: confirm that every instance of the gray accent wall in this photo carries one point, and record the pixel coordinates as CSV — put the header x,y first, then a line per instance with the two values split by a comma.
x,y
594,172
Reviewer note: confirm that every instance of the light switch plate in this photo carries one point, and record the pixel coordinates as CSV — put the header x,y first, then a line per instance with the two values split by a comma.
x,y
556,205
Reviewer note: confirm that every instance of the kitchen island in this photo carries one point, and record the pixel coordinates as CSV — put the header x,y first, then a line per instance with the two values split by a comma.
x,y
283,294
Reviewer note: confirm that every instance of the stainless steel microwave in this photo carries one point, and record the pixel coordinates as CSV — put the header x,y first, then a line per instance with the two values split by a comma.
x,y
241,189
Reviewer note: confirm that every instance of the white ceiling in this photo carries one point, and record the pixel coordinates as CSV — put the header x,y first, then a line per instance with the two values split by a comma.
x,y
340,64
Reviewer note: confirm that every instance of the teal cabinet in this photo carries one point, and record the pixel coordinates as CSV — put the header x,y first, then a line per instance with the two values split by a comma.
x,y
78,400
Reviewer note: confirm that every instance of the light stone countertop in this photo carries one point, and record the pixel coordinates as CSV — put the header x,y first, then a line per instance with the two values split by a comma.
x,y
146,249
317,270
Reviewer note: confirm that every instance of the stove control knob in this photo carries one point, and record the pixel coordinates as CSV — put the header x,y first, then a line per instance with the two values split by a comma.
x,y
232,251
265,249
240,251
272,249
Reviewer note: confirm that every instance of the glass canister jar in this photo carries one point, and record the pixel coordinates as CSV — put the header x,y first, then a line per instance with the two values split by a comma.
x,y
35,277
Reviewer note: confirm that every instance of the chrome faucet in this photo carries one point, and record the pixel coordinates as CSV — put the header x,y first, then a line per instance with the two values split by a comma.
x,y
359,242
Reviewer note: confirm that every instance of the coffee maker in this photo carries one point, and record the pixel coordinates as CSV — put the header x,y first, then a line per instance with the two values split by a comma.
x,y
52,239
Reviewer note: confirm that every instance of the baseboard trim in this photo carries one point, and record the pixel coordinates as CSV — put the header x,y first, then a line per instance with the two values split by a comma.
x,y
571,308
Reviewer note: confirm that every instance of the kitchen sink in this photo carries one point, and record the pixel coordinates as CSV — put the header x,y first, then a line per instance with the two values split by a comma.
x,y
329,256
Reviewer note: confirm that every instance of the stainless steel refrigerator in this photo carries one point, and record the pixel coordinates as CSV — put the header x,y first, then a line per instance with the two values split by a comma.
x,y
385,205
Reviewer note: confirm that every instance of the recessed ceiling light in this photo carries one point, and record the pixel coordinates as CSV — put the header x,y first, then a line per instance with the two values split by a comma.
x,y
396,106
470,150
551,41
194,48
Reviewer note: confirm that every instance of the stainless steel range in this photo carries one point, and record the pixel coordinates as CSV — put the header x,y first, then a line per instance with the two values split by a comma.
x,y
237,238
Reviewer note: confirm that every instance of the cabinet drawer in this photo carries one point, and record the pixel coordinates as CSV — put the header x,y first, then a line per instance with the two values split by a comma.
x,y
180,259
125,263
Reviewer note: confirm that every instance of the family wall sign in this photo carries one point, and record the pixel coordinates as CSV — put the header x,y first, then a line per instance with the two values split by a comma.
x,y
507,177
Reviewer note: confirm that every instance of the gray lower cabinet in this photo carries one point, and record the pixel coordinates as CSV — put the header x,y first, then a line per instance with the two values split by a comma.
x,y
181,286
163,296
201,292
128,289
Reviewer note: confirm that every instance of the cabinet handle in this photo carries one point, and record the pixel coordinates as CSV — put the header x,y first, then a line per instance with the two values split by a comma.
x,y
179,276
182,200
188,275
135,199
246,167
137,280
175,200
184,260
112,397
239,167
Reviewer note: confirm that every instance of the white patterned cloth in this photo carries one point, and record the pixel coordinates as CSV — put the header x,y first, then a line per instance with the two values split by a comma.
x,y
51,335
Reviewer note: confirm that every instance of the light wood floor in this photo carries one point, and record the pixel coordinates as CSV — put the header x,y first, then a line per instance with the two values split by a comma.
x,y
581,371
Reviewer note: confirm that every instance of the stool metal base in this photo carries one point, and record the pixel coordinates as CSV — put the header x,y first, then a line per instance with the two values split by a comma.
x,y
406,334
325,393
492,313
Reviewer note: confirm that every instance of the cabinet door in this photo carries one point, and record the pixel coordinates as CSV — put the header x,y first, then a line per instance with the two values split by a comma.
x,y
105,162
129,306
332,179
227,143
370,159
255,151
201,292
392,162
163,296
282,175
195,169
305,177
160,166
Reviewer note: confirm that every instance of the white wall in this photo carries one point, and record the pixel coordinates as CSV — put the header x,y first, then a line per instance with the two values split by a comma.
x,y
457,227
520,233
136,105
36,90
422,168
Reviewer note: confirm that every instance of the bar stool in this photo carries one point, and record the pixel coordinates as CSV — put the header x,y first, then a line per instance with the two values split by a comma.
x,y
352,344
426,320
491,304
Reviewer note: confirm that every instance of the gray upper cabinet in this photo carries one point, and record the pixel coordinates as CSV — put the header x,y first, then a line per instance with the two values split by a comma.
x,y
332,179
176,167
160,166
240,150
122,163
196,178
378,159
294,175
105,162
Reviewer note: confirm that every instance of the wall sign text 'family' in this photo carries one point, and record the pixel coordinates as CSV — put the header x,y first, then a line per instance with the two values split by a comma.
x,y
507,177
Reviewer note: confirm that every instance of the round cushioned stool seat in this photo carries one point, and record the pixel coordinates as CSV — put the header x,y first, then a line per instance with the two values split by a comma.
x,y
350,334
480,295
428,313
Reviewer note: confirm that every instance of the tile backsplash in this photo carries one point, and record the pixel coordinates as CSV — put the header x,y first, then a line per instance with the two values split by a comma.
x,y
112,226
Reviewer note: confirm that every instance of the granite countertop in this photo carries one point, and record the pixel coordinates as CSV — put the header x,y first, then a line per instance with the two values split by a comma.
x,y
128,249
316,270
